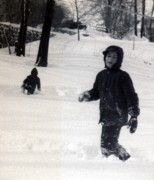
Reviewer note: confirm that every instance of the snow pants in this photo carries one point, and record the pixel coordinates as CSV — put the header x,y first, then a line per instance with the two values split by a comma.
x,y
110,136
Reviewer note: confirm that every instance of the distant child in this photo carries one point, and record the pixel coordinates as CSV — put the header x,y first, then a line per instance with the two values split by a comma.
x,y
31,82
118,100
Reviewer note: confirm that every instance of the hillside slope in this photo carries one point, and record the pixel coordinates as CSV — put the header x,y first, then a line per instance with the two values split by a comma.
x,y
50,135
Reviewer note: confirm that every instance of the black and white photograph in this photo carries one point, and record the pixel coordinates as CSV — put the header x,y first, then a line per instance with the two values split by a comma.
x,y
76,84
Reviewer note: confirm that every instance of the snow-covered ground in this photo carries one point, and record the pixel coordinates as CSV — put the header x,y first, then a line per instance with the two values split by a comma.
x,y
50,135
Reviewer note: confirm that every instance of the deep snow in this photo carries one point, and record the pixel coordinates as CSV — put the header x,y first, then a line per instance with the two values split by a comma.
x,y
50,135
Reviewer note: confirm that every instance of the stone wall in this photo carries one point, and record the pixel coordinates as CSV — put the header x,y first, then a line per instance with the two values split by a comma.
x,y
9,34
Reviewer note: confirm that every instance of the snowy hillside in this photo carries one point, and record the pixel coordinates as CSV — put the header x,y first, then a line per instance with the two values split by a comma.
x,y
50,135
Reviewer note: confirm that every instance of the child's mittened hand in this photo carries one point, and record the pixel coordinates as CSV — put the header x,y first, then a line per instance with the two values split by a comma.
x,y
132,124
85,96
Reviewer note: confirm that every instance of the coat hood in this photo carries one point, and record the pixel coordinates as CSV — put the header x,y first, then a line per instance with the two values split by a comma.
x,y
119,52
34,72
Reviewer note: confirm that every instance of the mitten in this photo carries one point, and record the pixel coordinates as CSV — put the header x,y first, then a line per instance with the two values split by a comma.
x,y
85,96
132,124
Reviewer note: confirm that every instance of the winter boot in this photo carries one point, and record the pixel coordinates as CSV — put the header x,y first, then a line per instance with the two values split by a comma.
x,y
121,153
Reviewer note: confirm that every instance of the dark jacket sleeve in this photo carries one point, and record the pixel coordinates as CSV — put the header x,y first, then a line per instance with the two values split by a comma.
x,y
94,92
130,96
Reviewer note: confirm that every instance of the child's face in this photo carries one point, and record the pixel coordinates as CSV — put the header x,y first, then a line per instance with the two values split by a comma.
x,y
111,59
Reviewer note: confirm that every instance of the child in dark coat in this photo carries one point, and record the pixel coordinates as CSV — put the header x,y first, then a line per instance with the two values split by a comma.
x,y
31,82
118,100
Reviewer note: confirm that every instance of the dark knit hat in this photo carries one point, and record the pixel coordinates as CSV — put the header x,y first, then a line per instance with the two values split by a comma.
x,y
119,52
34,72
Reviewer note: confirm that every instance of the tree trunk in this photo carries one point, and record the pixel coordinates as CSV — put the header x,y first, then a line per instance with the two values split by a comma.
x,y
151,21
77,17
143,19
42,57
20,46
135,17
109,14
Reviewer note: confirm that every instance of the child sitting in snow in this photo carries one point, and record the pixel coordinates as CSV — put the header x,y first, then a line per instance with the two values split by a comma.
x,y
118,99
31,82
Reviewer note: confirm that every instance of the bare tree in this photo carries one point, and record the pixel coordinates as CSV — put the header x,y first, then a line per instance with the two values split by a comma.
x,y
151,20
116,15
20,46
143,19
77,18
109,15
76,7
79,9
42,57
135,17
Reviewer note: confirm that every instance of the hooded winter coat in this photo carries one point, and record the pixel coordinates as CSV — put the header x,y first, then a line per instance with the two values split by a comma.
x,y
116,92
32,81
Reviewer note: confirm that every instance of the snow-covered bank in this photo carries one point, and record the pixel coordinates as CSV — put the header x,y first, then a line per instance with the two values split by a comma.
x,y
50,135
